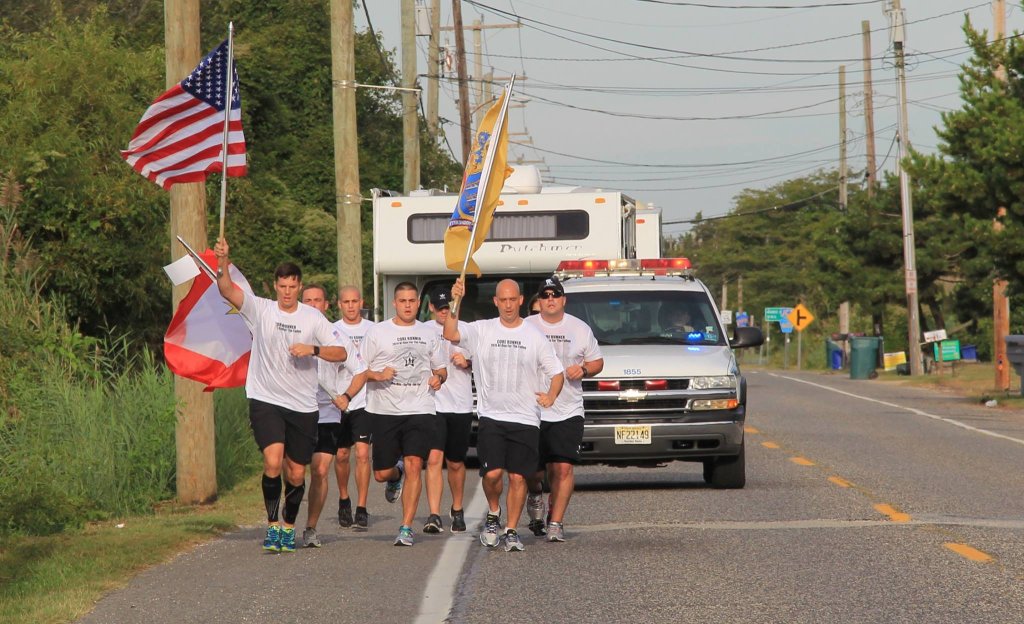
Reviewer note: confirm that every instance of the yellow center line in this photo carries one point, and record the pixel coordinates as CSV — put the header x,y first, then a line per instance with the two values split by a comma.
x,y
801,461
841,482
894,514
968,552
750,429
770,445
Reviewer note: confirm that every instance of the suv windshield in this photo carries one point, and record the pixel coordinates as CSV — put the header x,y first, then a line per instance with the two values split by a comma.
x,y
648,317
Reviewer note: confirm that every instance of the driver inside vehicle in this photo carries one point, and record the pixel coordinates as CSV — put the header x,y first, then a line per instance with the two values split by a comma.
x,y
675,320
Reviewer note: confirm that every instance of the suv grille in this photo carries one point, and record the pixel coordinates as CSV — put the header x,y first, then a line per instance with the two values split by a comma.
x,y
590,385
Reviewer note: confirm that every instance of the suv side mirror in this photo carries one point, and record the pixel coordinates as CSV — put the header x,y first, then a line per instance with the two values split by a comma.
x,y
746,337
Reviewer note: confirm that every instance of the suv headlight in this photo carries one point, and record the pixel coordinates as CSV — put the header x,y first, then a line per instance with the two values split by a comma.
x,y
713,383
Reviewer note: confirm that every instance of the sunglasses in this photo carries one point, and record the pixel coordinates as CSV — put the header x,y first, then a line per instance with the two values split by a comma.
x,y
549,295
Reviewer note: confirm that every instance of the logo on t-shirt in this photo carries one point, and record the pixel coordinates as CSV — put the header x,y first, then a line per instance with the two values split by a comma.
x,y
409,360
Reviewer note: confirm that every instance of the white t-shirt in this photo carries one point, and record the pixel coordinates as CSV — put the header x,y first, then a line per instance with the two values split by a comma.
x,y
355,332
414,351
275,376
334,379
574,343
511,366
456,395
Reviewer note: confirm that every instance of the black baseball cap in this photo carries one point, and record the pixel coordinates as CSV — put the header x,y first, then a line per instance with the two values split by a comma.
x,y
553,285
440,296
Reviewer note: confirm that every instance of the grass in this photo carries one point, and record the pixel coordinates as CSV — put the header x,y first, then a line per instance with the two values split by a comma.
x,y
975,381
58,578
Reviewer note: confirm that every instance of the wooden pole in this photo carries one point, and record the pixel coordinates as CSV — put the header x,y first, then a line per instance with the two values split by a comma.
x,y
1000,302
869,110
465,120
348,206
196,466
410,121
434,67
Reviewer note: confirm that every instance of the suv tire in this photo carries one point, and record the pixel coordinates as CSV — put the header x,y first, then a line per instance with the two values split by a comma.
x,y
727,473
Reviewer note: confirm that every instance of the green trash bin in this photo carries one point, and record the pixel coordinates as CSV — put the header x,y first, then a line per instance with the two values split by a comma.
x,y
864,356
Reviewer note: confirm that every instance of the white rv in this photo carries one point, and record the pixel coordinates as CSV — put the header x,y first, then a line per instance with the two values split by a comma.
x,y
533,230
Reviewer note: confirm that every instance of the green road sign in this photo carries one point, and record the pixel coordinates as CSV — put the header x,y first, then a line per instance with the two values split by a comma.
x,y
774,315
947,350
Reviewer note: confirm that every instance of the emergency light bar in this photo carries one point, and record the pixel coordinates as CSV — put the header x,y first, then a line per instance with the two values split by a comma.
x,y
624,266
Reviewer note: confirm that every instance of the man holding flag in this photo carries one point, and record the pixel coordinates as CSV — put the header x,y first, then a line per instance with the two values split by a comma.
x,y
287,337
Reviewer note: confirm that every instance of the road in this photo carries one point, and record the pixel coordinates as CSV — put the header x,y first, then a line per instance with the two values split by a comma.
x,y
865,502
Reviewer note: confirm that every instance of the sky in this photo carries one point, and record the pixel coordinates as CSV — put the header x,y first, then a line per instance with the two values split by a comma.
x,y
685,106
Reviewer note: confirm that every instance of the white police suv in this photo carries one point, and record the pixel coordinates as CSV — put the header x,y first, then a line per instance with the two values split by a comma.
x,y
671,388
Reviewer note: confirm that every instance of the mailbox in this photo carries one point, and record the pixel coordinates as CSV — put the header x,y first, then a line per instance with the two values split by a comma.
x,y
1015,353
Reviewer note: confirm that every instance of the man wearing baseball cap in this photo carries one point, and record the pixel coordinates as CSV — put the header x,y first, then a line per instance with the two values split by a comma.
x,y
561,426
454,421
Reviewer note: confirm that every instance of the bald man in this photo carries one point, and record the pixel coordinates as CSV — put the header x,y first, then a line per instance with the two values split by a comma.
x,y
517,373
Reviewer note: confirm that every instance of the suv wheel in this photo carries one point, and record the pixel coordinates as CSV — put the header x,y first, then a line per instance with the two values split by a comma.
x,y
727,473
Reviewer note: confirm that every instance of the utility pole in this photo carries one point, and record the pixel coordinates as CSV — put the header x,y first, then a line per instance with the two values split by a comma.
x,y
909,261
725,293
465,121
1000,302
410,123
478,71
434,67
844,307
842,138
869,110
196,463
347,200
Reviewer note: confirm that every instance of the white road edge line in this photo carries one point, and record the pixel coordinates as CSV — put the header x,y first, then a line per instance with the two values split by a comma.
x,y
950,421
439,594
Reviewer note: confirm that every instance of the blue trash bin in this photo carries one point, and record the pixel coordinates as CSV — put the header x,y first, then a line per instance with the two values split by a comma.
x,y
837,360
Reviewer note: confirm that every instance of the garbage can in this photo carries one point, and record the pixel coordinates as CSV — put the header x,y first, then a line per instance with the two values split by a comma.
x,y
864,356
833,354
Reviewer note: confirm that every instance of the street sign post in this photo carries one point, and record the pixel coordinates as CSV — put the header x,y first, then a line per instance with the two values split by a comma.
x,y
800,317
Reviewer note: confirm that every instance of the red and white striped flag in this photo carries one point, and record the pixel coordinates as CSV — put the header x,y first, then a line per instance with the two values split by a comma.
x,y
180,137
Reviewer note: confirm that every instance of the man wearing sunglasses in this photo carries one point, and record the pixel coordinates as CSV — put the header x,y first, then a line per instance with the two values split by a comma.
x,y
561,427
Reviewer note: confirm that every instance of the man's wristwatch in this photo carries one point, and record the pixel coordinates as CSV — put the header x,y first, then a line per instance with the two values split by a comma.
x,y
316,351
345,394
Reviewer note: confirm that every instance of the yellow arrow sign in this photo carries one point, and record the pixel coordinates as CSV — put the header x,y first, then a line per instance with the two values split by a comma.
x,y
800,317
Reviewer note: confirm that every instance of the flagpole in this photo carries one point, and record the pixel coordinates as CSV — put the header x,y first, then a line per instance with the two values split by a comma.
x,y
228,93
485,175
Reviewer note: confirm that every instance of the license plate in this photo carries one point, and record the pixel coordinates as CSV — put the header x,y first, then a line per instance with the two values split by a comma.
x,y
632,434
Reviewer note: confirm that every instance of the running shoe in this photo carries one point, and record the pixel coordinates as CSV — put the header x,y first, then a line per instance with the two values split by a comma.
x,y
458,520
310,539
489,536
393,489
272,542
405,536
288,539
537,526
362,519
345,514
433,524
555,532
512,541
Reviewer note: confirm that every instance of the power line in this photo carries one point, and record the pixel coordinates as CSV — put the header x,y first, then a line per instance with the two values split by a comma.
x,y
730,55
799,203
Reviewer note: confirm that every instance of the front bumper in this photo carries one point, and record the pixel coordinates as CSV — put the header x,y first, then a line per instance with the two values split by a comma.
x,y
693,436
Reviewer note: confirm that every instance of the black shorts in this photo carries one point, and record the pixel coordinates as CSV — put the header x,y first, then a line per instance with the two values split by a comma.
x,y
506,445
356,426
327,437
395,437
455,435
560,441
272,424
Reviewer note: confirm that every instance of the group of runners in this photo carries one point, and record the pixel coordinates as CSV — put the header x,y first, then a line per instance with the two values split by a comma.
x,y
400,394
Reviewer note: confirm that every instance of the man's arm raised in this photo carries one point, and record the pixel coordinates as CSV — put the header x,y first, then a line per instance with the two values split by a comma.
x,y
451,324
234,295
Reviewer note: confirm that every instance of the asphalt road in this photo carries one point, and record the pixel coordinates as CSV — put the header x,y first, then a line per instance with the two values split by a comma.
x,y
865,502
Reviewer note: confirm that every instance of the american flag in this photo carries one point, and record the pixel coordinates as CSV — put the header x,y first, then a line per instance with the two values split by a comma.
x,y
180,137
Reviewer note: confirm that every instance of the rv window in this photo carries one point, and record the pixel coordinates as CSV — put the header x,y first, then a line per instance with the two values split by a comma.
x,y
479,301
568,225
